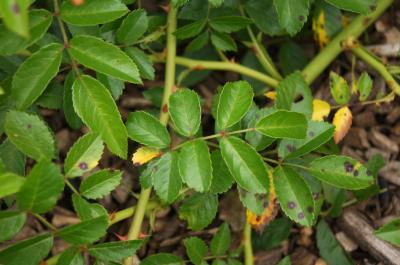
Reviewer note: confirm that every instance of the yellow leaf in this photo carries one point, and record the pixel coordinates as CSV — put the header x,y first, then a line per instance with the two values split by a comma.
x,y
342,121
318,26
321,109
258,222
144,155
271,95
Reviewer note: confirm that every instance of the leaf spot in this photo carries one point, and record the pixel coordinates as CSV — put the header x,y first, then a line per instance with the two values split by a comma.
x,y
315,195
15,8
300,215
355,173
291,205
83,166
290,148
310,209
348,167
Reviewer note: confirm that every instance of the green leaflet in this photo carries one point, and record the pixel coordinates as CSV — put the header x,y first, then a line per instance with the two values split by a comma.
x,y
162,259
221,241
133,27
329,248
115,251
86,210
274,234
229,24
294,195
342,172
199,42
71,256
289,90
142,61
15,21
199,210
100,183
39,22
104,57
85,232
222,180
165,177
72,118
339,88
364,86
10,223
42,188
245,165
254,202
285,261
146,129
34,74
283,124
185,111
27,252
30,135
358,6
95,106
259,10
195,165
15,159
318,133
234,101
92,12
196,249
223,42
115,86
390,232
190,30
292,14
10,184
84,155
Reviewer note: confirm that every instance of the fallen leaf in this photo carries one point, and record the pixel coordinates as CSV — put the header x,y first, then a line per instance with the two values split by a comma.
x,y
342,121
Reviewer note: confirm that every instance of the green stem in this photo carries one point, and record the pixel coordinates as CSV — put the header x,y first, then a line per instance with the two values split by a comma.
x,y
45,222
222,66
227,66
69,184
136,225
248,248
263,57
364,55
213,136
334,48
65,36
261,53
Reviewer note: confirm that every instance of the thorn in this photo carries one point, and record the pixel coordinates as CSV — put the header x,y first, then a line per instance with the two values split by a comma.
x,y
166,8
121,238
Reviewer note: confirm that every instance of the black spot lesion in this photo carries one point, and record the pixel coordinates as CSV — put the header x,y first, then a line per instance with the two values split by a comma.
x,y
290,148
291,205
311,134
15,8
83,165
301,18
348,167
